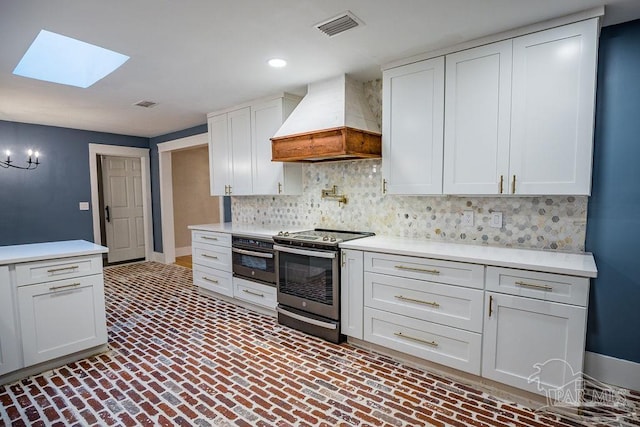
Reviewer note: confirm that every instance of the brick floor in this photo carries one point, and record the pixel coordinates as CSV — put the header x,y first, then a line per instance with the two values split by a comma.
x,y
179,358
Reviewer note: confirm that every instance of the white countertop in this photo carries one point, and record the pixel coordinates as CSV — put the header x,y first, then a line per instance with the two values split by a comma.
x,y
246,230
551,262
13,254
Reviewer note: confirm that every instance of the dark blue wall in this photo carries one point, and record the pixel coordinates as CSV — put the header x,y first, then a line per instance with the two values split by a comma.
x,y
155,177
613,220
42,205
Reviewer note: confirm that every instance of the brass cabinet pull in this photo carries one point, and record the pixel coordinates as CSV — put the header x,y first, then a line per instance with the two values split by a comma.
x,y
384,186
209,238
513,185
344,259
534,286
432,304
247,291
279,188
55,270
500,188
490,305
229,190
421,270
430,343
58,288
209,256
209,280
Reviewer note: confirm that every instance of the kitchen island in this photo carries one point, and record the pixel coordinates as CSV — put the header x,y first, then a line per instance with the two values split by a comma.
x,y
52,308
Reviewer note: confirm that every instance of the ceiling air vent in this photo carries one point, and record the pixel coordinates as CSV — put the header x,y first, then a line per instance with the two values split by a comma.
x,y
145,104
339,24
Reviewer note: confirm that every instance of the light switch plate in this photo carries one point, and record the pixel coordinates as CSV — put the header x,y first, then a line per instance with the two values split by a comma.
x,y
84,206
496,220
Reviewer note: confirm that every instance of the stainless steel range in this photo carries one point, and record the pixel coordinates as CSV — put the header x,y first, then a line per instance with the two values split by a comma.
x,y
308,280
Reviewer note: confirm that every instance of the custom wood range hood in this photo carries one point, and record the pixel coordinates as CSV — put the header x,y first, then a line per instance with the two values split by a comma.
x,y
332,122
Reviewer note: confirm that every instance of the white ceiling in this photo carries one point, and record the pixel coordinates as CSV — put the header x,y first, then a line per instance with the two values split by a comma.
x,y
196,56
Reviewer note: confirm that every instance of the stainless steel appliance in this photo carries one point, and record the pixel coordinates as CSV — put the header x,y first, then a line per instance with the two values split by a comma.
x,y
253,259
308,280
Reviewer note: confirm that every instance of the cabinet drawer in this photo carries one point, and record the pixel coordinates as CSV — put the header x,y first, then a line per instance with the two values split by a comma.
x,y
214,280
454,273
212,256
445,304
544,286
57,269
211,238
255,293
441,344
61,317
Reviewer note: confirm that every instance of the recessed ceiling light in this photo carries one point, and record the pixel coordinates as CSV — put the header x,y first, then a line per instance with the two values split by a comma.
x,y
277,63
60,59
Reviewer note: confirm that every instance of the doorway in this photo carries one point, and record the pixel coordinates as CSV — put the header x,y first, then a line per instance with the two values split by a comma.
x,y
189,206
142,189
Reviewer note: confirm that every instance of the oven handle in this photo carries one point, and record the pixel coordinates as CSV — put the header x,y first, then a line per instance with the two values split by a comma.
x,y
315,322
252,253
317,254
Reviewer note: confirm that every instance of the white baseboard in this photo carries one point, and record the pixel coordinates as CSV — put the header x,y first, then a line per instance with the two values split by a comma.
x,y
183,251
609,370
158,257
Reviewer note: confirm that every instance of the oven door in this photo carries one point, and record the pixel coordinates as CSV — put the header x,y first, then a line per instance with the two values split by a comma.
x,y
252,264
309,280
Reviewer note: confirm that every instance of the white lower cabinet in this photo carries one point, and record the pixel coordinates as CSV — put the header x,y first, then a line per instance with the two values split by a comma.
x,y
351,291
532,344
211,257
255,293
448,346
61,317
9,335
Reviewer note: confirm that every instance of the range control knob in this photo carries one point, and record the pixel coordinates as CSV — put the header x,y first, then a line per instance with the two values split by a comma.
x,y
333,239
280,233
286,234
325,238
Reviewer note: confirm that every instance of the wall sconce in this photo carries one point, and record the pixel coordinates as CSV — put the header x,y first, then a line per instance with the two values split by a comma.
x,y
31,164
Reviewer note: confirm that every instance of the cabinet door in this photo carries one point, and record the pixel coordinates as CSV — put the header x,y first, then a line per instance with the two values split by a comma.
x,y
477,120
351,293
61,317
239,125
9,337
531,344
266,118
219,155
554,81
412,128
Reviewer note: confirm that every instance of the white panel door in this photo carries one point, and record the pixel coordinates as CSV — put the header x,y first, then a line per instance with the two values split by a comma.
x,y
412,128
532,344
477,120
351,293
219,155
239,128
554,82
124,217
266,119
10,357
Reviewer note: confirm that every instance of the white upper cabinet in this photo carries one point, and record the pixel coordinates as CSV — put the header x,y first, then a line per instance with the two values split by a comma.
x,y
272,177
477,119
240,151
552,120
412,128
230,153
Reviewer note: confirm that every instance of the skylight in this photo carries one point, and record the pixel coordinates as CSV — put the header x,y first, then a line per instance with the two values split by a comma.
x,y
59,59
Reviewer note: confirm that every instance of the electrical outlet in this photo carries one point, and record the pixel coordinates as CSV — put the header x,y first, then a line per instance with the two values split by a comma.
x,y
84,206
467,218
496,220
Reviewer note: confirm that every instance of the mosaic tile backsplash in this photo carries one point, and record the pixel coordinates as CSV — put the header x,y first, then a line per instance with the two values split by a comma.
x,y
553,223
